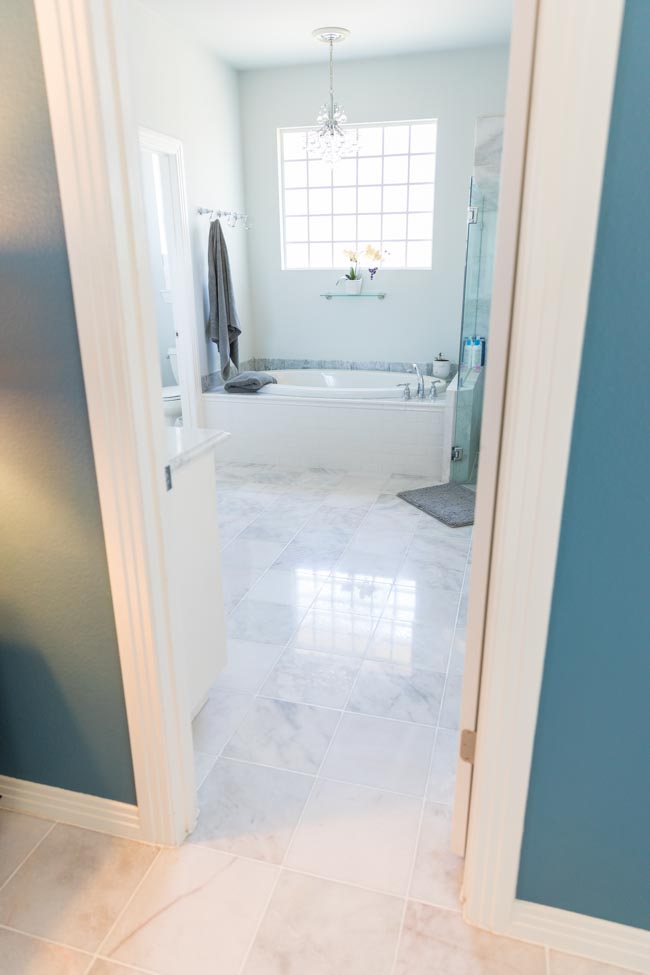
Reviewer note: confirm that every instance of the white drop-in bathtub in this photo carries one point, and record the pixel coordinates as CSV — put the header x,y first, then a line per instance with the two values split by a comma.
x,y
345,419
341,383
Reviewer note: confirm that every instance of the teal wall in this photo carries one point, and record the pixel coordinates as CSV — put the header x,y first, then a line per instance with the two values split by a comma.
x,y
586,845
62,716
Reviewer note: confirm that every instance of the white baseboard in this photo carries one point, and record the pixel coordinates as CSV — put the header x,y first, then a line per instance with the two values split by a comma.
x,y
73,808
578,934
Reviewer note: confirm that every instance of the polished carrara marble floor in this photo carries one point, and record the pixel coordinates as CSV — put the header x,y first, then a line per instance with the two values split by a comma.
x,y
325,760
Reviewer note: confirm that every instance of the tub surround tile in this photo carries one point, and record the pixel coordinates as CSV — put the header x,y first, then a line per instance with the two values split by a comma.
x,y
72,888
356,834
21,955
283,735
18,836
338,633
250,810
309,677
404,693
197,911
317,927
380,753
438,872
438,942
219,718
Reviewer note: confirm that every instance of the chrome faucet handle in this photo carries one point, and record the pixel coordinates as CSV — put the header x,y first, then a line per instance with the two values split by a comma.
x,y
433,392
407,390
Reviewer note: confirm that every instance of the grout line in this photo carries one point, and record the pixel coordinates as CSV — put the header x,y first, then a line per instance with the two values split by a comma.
x,y
120,915
28,855
47,941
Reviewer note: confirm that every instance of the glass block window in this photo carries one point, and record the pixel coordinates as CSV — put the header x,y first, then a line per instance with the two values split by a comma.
x,y
382,196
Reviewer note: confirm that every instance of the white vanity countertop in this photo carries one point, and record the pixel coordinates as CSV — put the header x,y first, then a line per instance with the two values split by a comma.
x,y
184,444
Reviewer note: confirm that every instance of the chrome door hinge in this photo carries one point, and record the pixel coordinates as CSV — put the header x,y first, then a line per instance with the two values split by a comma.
x,y
472,214
467,748
457,453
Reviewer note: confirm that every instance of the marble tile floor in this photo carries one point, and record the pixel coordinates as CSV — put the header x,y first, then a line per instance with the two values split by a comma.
x,y
325,762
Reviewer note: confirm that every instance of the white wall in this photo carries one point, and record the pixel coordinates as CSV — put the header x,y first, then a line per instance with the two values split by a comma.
x,y
421,315
185,91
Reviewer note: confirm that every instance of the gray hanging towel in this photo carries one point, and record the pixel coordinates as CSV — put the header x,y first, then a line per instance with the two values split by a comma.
x,y
224,322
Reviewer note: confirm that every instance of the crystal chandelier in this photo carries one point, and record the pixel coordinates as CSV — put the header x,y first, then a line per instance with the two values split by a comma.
x,y
330,141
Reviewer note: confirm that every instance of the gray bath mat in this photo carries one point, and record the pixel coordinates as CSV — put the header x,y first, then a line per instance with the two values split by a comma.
x,y
452,504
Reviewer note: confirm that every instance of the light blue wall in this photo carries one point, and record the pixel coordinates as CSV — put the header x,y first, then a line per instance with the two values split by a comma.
x,y
62,716
586,843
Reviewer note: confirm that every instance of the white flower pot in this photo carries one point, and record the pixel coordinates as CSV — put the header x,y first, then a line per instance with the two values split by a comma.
x,y
441,368
353,287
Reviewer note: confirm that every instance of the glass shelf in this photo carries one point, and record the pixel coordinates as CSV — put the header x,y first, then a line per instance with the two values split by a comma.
x,y
362,294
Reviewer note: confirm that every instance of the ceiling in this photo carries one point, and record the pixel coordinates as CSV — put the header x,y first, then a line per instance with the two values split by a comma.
x,y
263,33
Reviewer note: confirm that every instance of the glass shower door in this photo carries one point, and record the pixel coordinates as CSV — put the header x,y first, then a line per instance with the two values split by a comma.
x,y
475,320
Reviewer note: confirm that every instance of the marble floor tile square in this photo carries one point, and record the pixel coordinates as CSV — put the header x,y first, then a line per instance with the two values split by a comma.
x,y
74,885
438,872
21,955
19,835
236,583
422,605
384,754
337,633
250,553
312,555
291,587
450,711
438,942
405,693
561,964
347,594
249,664
263,622
219,718
103,967
308,677
197,911
442,777
356,834
317,927
203,762
372,540
379,568
284,735
417,572
424,646
250,810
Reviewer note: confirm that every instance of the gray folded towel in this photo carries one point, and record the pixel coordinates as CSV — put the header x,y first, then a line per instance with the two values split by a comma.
x,y
248,382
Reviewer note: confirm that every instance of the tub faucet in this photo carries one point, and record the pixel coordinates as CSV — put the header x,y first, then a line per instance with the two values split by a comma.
x,y
420,390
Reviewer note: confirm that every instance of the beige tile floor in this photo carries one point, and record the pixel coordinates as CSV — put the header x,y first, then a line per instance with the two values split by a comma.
x,y
325,761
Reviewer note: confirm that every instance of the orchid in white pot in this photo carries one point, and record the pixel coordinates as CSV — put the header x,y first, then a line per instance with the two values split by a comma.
x,y
353,280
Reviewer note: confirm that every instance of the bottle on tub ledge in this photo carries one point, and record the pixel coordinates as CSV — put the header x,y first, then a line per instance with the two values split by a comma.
x,y
474,352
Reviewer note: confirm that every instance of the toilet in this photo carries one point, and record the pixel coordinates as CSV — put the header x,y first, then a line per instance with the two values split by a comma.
x,y
172,394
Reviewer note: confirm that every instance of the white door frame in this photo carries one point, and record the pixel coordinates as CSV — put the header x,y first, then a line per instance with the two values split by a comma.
x,y
98,166
507,240
184,306
575,61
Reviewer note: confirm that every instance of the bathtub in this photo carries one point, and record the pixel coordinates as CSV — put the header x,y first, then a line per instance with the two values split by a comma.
x,y
344,419
340,383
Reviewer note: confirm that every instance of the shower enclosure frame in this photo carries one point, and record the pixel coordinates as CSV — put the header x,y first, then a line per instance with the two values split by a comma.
x,y
96,148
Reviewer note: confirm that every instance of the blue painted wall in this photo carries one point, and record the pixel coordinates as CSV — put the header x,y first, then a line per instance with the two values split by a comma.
x,y
62,716
586,844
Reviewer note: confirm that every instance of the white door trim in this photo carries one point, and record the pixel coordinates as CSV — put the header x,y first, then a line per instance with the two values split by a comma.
x,y
183,289
97,158
575,64
513,161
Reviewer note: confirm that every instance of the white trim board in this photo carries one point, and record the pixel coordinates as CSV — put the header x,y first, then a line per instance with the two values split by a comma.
x,y
97,159
576,56
73,808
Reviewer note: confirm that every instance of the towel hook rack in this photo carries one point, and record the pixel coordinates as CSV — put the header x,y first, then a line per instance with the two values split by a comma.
x,y
232,216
